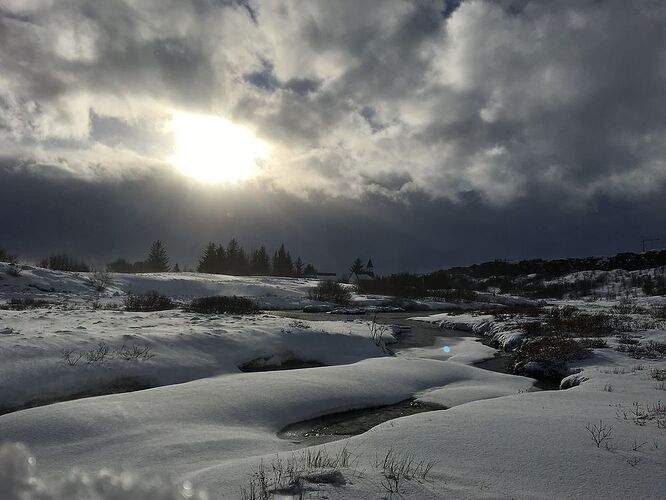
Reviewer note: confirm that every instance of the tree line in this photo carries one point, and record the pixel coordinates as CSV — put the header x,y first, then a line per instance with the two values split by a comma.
x,y
233,259
222,259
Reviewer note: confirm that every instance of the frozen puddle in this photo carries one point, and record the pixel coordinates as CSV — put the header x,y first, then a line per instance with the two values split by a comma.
x,y
342,425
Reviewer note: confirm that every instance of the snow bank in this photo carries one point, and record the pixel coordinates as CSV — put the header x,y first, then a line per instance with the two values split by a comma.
x,y
182,347
506,334
180,429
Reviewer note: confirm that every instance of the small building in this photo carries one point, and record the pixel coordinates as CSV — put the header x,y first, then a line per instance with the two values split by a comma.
x,y
355,278
370,268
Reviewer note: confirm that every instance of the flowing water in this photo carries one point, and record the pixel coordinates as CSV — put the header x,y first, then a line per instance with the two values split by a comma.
x,y
415,338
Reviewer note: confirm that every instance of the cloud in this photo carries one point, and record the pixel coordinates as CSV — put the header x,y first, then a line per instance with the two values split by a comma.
x,y
501,98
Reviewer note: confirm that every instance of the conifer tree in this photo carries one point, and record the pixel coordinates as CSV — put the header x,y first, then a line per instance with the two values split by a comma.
x,y
221,266
310,270
158,261
260,262
208,261
357,266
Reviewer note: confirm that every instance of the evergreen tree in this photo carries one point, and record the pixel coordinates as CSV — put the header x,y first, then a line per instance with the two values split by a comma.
x,y
233,257
310,270
242,262
208,261
282,263
357,266
298,267
275,266
158,261
260,262
176,268
289,266
221,264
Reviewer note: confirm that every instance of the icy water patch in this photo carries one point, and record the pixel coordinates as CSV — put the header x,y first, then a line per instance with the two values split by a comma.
x,y
342,425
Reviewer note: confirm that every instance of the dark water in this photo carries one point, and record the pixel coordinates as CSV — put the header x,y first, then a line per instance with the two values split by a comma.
x,y
258,365
345,424
117,386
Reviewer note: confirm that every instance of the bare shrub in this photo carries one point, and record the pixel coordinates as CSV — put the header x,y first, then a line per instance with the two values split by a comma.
x,y
70,357
330,291
14,270
147,302
600,433
608,388
290,476
99,280
134,352
103,352
301,325
397,468
220,304
377,332
636,446
97,355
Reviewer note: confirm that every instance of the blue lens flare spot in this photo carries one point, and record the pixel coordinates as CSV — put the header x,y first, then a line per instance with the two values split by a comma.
x,y
447,348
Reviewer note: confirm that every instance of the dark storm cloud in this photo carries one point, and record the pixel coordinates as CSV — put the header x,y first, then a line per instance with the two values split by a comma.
x,y
454,114
102,222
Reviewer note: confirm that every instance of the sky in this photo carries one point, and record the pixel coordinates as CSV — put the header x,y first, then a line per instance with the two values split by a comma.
x,y
423,134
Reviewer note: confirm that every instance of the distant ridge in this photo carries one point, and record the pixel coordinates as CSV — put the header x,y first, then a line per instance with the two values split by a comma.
x,y
627,261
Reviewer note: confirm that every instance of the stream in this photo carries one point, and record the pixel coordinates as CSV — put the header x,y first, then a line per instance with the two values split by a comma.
x,y
415,335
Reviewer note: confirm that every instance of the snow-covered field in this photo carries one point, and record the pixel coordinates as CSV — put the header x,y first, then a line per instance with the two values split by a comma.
x,y
207,430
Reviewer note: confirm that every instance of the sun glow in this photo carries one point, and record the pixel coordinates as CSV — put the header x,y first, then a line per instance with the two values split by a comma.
x,y
212,149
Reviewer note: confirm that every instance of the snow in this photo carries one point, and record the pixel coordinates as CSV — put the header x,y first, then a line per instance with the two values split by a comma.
x,y
268,291
205,426
183,346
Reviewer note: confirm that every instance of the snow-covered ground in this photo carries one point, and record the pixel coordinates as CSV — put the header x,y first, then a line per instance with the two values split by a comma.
x,y
207,426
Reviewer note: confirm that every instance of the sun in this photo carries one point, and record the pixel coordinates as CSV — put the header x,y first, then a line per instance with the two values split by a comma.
x,y
214,150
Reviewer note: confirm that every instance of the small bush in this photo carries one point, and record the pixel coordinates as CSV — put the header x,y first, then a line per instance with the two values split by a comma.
x,y
7,257
20,304
456,295
658,312
551,353
220,304
14,270
659,374
593,343
599,433
149,301
627,339
650,349
330,291
99,280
